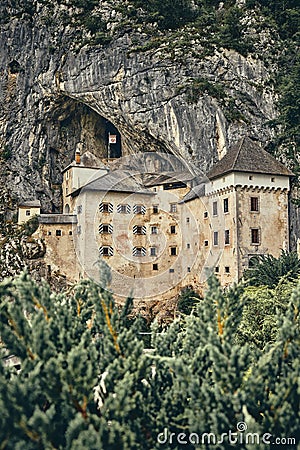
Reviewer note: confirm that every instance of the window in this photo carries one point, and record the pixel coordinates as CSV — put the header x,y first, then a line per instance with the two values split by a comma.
x,y
187,220
188,269
205,243
27,212
188,245
254,204
227,269
173,251
172,229
273,180
171,270
139,229
217,269
225,205
155,209
79,229
173,207
70,233
106,250
58,232
67,175
155,267
105,228
216,238
123,209
152,251
49,233
250,177
154,230
205,214
139,209
215,208
254,236
106,208
139,251
227,237
79,209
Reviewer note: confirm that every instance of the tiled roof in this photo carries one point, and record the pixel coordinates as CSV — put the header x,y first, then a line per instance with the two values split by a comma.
x,y
248,156
30,204
167,177
116,181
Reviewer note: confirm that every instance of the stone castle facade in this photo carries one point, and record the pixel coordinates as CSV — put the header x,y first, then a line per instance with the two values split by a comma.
x,y
160,229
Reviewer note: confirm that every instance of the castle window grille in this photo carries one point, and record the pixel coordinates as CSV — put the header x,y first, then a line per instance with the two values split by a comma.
x,y
105,228
123,209
106,250
139,209
138,229
139,251
106,208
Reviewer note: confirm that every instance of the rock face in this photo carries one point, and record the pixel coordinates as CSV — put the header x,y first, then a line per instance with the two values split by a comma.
x,y
54,99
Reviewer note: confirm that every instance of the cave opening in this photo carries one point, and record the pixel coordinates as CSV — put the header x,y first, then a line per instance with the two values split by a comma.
x,y
77,123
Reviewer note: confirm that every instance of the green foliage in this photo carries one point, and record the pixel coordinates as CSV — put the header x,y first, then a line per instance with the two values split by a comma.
x,y
85,382
187,300
267,270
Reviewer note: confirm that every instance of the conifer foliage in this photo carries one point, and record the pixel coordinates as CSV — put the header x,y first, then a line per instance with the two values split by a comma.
x,y
86,382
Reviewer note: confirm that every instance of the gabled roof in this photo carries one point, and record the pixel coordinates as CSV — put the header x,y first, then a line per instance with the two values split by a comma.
x,y
88,161
167,178
248,156
116,181
30,204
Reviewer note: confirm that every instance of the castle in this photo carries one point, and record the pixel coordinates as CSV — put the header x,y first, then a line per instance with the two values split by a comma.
x,y
164,227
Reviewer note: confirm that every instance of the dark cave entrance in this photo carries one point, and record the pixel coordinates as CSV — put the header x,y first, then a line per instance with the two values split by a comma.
x,y
77,123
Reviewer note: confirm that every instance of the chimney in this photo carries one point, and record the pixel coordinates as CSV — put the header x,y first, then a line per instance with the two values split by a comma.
x,y
77,157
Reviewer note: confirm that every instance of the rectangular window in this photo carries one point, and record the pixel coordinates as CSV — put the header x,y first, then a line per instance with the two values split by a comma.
x,y
173,207
106,251
227,269
153,251
205,214
173,251
139,251
79,229
225,205
188,269
70,233
216,238
139,229
139,209
155,266
217,269
106,208
123,209
171,270
154,230
172,229
187,220
105,228
27,212
188,245
155,209
254,204
58,232
215,208
227,237
49,233
205,243
79,209
255,236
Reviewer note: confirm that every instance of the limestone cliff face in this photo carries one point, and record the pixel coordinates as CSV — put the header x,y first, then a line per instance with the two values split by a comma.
x,y
53,98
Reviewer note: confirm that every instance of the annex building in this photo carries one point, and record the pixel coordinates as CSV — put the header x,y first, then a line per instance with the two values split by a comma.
x,y
164,227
